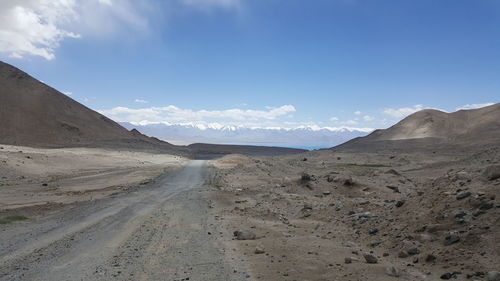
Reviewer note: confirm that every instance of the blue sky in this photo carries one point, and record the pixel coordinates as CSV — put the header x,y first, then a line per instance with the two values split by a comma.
x,y
279,63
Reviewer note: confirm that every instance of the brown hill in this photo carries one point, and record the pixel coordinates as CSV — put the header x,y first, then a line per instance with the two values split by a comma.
x,y
436,129
34,114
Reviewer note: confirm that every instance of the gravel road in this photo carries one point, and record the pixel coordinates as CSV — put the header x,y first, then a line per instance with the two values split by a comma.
x,y
163,231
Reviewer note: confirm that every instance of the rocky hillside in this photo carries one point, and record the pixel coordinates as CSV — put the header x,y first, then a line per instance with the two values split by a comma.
x,y
435,129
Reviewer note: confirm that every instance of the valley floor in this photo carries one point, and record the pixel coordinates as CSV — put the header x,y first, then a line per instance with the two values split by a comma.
x,y
90,214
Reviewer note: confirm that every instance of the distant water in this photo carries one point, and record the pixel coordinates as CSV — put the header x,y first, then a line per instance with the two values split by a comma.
x,y
311,147
308,147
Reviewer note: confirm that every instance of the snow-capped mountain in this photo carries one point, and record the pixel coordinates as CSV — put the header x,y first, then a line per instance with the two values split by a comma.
x,y
300,137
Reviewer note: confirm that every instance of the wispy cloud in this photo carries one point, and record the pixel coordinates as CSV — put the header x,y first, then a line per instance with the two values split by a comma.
x,y
368,118
474,106
357,112
140,101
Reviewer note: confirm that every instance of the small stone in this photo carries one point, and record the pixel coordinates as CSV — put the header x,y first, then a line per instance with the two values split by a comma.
x,y
348,260
395,189
430,258
244,235
451,239
44,184
487,206
463,195
392,271
446,276
370,258
259,251
400,203
413,251
373,231
305,177
347,181
402,254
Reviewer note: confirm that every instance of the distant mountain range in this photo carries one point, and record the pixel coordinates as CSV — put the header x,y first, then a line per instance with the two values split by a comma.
x,y
309,137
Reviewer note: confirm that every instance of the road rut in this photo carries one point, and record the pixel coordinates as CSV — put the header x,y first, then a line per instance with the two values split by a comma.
x,y
160,232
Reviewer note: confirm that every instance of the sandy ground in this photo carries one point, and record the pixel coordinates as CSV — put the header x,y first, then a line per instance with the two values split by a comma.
x,y
33,176
398,208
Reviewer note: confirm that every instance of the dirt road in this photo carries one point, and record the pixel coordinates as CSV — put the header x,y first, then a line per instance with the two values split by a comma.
x,y
163,231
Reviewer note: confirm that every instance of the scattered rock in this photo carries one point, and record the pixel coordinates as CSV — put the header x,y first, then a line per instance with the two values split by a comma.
x,y
373,231
487,206
448,276
400,203
392,271
307,206
493,276
492,172
305,159
413,251
244,235
348,260
463,195
44,184
393,188
430,258
347,181
305,177
402,254
259,251
451,239
370,258
393,172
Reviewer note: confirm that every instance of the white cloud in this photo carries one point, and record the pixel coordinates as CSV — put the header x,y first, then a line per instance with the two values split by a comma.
x,y
175,114
68,93
37,27
357,112
334,119
33,27
368,118
474,106
140,101
403,111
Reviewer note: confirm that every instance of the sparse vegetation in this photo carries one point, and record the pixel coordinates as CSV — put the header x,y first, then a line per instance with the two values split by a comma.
x,y
10,219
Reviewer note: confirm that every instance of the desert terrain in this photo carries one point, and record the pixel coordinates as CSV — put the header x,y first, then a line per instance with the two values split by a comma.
x,y
417,201
82,198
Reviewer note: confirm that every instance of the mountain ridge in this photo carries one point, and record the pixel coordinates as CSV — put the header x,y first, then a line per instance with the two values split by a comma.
x,y
433,128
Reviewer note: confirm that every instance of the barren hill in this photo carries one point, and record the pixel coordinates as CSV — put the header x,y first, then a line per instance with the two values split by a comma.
x,y
433,128
34,114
